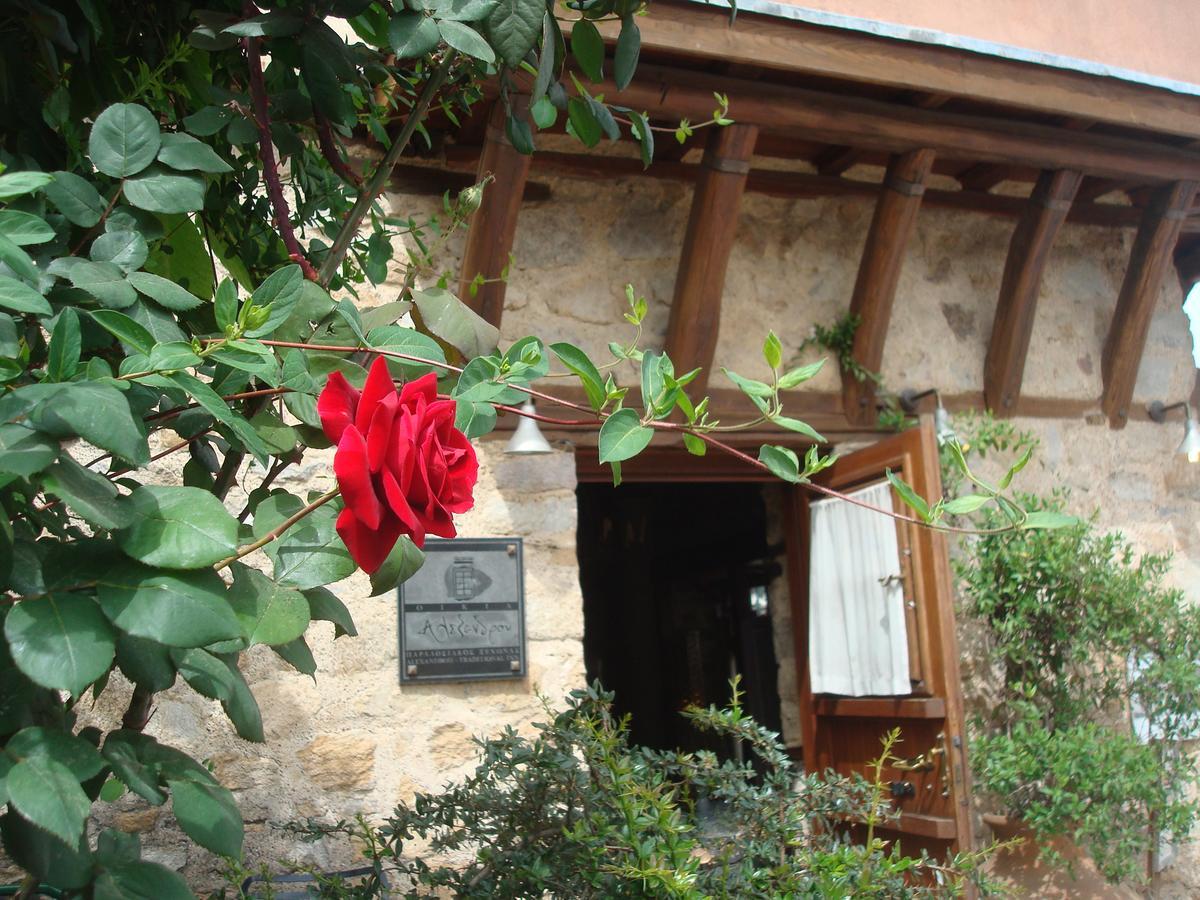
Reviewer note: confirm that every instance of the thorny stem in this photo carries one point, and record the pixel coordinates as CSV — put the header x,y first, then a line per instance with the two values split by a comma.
x,y
103,218
329,150
660,426
266,150
366,197
279,529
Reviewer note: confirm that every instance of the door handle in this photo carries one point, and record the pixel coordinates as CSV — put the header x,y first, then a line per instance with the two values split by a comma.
x,y
922,762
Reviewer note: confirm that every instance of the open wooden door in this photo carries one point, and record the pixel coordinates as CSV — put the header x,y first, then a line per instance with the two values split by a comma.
x,y
931,789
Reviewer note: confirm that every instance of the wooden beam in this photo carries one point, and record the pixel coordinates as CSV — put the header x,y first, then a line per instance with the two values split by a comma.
x,y
878,125
879,272
1095,188
696,309
791,185
983,176
1148,263
494,225
704,33
1028,252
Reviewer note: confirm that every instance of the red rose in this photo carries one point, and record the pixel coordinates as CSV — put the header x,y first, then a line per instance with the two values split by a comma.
x,y
401,464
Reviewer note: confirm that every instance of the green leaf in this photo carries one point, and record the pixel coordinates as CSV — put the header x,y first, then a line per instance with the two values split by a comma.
x,y
208,815
92,496
325,606
298,655
401,564
76,199
140,880
24,228
48,795
1021,462
24,452
182,256
645,137
583,122
127,250
62,358
1048,519
241,707
908,495
173,355
412,34
18,296
278,436
546,58
463,10
310,553
177,528
474,418
772,350
208,120
543,113
184,152
629,47
588,49
98,413
623,436
466,40
164,292
454,322
124,329
163,191
124,140
17,184
80,758
968,503
694,445
280,292
270,613
799,427
145,662
322,83
124,751
513,27
205,673
748,385
782,462
105,281
400,339
18,260
225,304
178,609
581,364
60,641
799,375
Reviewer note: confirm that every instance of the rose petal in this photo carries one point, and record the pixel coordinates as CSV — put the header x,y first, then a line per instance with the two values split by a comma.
x,y
369,547
336,406
401,508
354,478
380,431
379,385
424,388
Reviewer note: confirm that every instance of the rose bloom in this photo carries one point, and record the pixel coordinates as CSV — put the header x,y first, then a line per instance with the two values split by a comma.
x,y
402,466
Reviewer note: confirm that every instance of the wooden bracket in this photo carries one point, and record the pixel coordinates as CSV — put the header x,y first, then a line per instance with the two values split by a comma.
x,y
879,272
696,310
494,225
1028,252
1157,234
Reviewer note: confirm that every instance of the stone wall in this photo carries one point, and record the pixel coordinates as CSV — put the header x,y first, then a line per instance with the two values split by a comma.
x,y
354,740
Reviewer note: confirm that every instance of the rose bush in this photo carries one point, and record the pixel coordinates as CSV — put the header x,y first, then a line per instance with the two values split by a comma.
x,y
402,466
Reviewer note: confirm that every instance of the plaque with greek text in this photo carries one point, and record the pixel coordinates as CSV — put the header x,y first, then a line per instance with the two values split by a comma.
x,y
462,615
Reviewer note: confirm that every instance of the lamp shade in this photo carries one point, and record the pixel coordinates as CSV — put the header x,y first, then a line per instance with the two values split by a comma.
x,y
527,437
1190,445
941,424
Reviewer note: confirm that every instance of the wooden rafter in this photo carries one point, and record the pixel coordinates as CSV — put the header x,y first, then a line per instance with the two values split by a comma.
x,y
879,272
1148,262
876,125
494,225
1028,252
696,310
983,176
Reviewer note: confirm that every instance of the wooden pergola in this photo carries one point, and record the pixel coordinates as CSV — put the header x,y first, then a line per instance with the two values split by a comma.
x,y
837,100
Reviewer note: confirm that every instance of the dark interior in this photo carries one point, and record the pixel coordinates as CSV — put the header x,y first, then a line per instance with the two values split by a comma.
x,y
667,572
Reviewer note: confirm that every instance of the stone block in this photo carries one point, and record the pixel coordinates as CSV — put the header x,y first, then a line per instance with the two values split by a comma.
x,y
340,762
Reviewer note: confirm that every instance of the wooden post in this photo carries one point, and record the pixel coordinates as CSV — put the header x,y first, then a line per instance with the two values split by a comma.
x,y
494,224
1148,262
879,272
696,310
1028,252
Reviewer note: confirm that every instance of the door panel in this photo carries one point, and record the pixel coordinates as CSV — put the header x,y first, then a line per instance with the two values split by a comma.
x,y
844,733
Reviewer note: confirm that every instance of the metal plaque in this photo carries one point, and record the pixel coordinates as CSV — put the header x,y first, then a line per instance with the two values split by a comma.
x,y
462,616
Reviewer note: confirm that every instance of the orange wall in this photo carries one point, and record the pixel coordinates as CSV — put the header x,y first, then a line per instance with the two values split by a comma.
x,y
1156,37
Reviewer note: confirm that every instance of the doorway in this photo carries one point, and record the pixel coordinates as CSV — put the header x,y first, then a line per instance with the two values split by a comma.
x,y
674,579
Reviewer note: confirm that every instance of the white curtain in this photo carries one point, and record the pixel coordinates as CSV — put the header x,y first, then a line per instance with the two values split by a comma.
x,y
857,638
